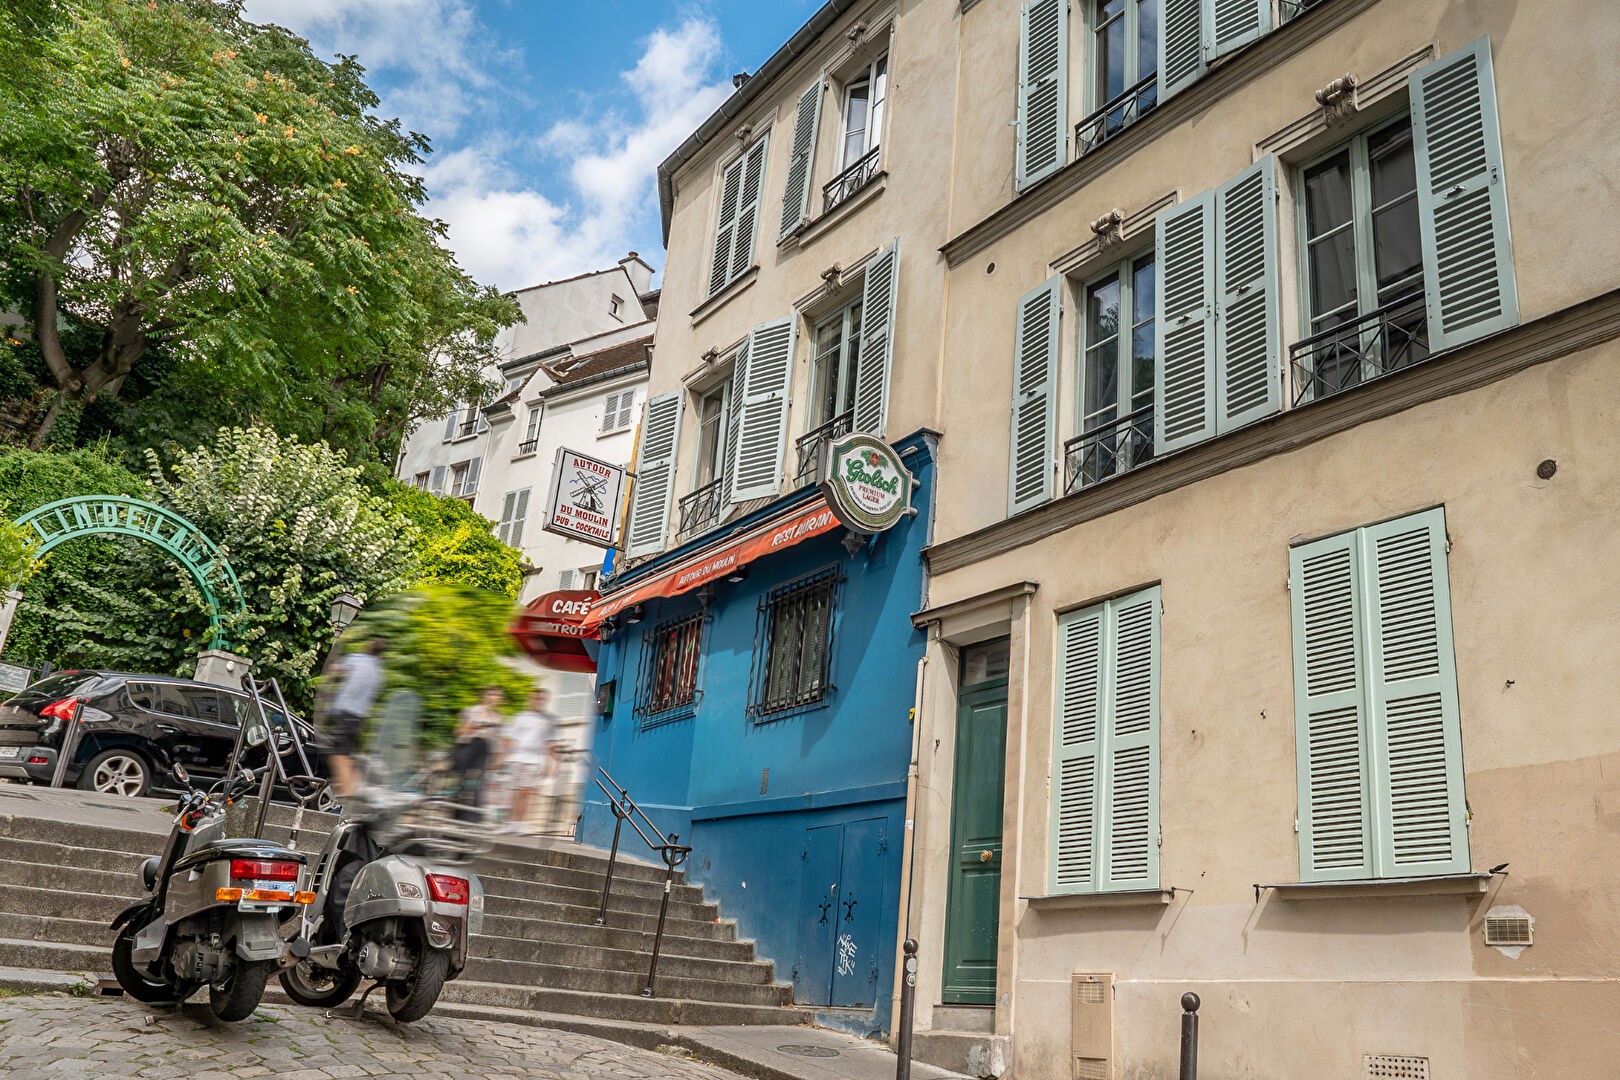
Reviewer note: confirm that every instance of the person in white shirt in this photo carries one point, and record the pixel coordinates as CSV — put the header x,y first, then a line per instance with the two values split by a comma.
x,y
529,757
360,676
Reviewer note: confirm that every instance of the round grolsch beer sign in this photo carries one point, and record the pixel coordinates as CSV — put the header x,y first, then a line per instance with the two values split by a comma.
x,y
865,483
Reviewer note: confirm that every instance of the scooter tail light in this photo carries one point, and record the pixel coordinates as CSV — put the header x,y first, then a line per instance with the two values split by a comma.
x,y
60,710
263,870
303,897
227,896
447,889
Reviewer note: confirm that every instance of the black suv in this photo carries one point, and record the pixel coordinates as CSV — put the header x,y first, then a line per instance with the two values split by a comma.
x,y
136,728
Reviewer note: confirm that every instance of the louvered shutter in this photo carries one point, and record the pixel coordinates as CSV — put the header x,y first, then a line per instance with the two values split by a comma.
x,y
1130,804
451,423
520,516
1330,743
1076,765
1235,23
610,409
473,468
801,169
565,579
762,428
1421,820
734,393
436,479
1184,324
655,475
1181,46
1462,200
726,224
1248,334
504,529
1043,89
742,255
877,340
1034,404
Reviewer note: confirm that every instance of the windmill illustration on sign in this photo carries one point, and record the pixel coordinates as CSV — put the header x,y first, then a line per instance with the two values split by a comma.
x,y
588,492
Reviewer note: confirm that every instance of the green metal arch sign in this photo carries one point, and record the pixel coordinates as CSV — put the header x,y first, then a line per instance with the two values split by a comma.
x,y
87,515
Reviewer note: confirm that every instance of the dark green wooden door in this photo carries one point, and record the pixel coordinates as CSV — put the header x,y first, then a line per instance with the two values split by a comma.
x,y
972,914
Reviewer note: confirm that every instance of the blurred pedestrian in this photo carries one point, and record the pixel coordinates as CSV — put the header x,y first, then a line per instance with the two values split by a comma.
x,y
360,675
529,755
476,735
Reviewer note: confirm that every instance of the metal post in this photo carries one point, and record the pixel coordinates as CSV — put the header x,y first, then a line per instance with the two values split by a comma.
x,y
908,994
70,744
673,854
1189,1036
613,857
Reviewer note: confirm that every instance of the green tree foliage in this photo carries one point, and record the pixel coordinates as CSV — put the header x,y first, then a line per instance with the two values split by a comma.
x,y
181,185
19,552
455,545
445,644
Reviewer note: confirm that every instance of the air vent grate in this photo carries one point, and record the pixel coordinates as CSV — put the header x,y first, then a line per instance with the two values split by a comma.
x,y
1508,930
1396,1067
1090,1068
1090,993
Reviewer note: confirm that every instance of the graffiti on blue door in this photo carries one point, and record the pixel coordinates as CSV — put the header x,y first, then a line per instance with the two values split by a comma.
x,y
840,911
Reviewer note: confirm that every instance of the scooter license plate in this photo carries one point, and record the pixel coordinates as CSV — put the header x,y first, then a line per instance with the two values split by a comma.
x,y
9,752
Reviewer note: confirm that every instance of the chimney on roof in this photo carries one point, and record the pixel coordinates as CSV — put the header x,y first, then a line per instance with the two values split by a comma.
x,y
739,79
641,274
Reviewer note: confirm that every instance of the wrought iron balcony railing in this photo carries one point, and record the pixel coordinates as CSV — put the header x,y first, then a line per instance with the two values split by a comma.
x,y
1393,337
1117,115
1108,450
810,443
467,428
529,447
701,510
850,180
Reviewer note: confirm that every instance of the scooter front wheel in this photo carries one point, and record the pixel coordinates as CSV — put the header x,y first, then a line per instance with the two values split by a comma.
x,y
240,992
412,999
318,987
137,985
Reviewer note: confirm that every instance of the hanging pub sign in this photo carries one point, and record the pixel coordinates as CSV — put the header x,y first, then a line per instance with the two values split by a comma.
x,y
584,498
552,630
865,483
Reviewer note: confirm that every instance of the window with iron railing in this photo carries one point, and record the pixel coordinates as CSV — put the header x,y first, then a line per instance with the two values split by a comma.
x,y
1116,376
850,180
529,447
810,443
793,635
865,96
702,509
666,686
1389,339
1117,115
1124,83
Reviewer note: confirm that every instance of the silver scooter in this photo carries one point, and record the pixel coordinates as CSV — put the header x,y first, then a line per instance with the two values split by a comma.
x,y
214,908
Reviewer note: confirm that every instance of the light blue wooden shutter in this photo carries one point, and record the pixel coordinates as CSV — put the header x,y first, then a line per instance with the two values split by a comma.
x,y
726,224
801,168
734,396
1034,404
1043,89
1462,200
452,423
1184,324
436,479
762,428
655,475
1248,335
1130,808
1235,23
742,255
877,340
1181,46
1330,743
474,467
1420,819
1076,758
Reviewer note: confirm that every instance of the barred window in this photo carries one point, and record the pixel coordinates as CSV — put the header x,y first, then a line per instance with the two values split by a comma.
x,y
793,650
669,668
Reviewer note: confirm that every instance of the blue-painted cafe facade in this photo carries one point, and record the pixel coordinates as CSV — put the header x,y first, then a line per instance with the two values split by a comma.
x,y
766,717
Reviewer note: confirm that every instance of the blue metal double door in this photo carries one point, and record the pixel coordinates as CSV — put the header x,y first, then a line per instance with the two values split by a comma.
x,y
841,914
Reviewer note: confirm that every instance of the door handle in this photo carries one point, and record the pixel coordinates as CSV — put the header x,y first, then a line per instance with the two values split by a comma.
x,y
986,855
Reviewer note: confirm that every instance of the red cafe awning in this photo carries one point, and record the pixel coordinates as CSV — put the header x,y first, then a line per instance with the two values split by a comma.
x,y
552,630
704,567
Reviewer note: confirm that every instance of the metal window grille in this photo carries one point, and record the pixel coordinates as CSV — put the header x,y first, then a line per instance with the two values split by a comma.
x,y
667,681
793,637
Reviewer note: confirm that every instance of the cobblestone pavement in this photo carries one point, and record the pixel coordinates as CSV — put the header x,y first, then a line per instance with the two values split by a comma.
x,y
53,1037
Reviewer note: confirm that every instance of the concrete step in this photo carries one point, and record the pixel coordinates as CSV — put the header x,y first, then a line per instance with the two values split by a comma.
x,y
591,898
55,956
14,850
587,880
630,866
717,930
611,937
658,1010
57,904
58,931
588,957
970,1053
606,981
108,837
74,879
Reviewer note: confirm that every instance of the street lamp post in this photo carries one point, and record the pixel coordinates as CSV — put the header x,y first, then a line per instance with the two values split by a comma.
x,y
345,606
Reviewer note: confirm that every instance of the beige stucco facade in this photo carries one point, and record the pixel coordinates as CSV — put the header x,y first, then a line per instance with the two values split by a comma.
x,y
1297,987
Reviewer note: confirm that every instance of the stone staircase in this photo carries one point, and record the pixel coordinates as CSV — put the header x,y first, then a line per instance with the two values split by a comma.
x,y
540,951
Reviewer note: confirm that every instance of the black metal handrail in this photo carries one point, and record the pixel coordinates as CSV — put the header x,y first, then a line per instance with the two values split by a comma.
x,y
701,509
850,180
669,849
1108,450
529,446
1118,114
1393,337
809,444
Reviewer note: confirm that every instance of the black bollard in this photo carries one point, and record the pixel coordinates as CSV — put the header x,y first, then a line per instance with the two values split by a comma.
x,y
1189,1036
908,994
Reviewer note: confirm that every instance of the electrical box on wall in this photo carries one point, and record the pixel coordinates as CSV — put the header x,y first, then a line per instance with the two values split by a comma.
x,y
1091,1031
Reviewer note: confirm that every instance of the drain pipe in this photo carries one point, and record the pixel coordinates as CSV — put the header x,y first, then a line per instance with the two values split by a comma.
x,y
908,852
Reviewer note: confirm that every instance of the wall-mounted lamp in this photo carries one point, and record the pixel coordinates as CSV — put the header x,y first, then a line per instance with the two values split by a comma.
x,y
737,574
632,615
345,606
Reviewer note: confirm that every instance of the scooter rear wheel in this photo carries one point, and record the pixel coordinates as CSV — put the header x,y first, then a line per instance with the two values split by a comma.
x,y
136,984
240,993
412,999
318,987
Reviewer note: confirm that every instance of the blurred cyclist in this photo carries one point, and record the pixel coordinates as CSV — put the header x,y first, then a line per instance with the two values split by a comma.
x,y
361,675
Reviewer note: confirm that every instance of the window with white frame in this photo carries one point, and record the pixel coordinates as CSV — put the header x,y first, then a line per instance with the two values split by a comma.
x,y
1124,47
464,478
617,410
1116,375
616,307
514,513
711,448
531,429
861,133
420,480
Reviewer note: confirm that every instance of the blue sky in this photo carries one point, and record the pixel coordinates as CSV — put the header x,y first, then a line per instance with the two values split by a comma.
x,y
548,117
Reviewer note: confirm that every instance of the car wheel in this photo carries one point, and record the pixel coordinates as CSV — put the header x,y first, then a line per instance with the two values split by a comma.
x,y
116,772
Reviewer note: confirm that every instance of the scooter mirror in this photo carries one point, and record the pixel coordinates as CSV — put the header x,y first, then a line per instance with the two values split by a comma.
x,y
256,735
178,771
